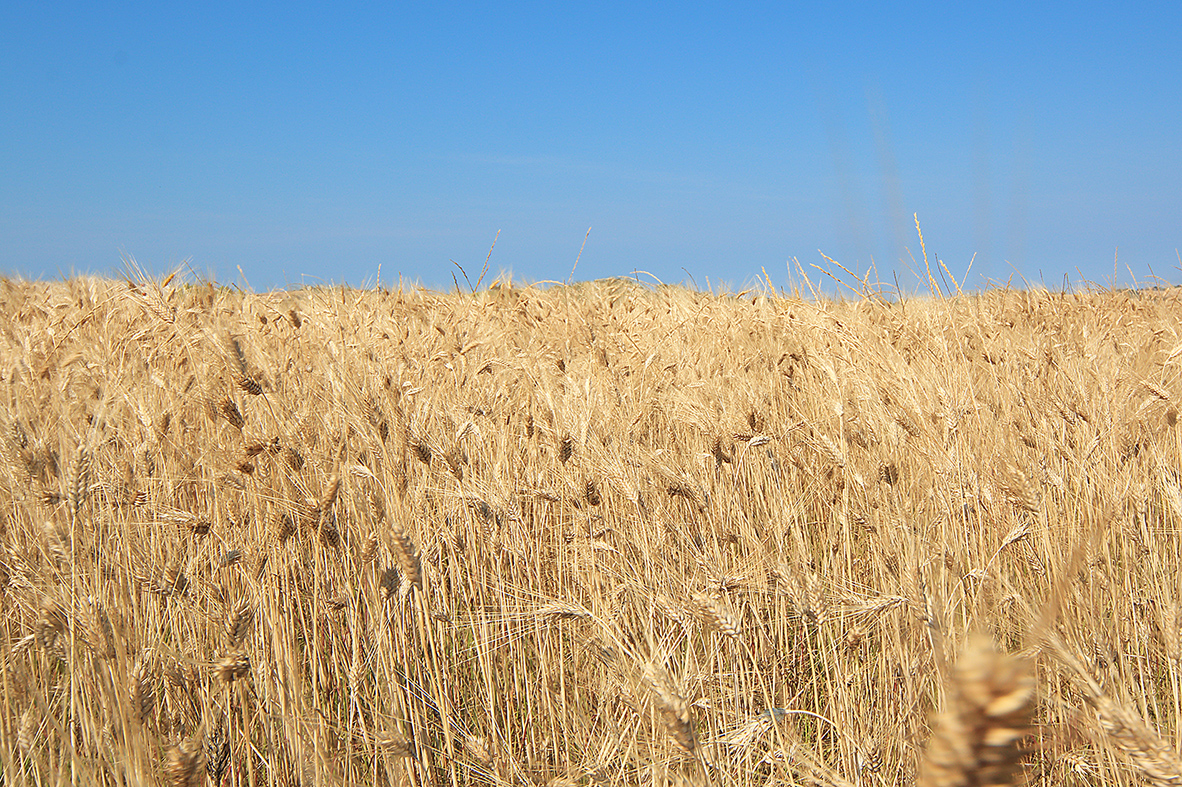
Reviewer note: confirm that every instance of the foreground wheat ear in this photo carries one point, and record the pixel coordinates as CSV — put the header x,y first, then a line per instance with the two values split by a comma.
x,y
977,739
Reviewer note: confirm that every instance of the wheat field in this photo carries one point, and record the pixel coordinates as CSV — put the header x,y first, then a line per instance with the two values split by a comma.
x,y
601,534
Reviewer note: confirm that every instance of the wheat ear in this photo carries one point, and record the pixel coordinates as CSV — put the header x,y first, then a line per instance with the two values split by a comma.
x,y
977,739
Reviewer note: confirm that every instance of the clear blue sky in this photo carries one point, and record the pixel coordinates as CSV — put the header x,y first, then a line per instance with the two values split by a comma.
x,y
303,143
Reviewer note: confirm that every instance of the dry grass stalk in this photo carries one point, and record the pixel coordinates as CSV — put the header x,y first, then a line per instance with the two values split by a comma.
x,y
104,637
977,739
1154,759
1168,624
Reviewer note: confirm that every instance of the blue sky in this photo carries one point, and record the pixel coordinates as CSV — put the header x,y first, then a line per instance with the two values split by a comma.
x,y
305,144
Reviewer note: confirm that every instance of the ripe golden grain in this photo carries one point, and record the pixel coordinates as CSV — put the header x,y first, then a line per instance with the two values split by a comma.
x,y
186,763
715,616
217,752
26,738
228,409
977,740
674,710
233,666
407,554
872,508
143,687
238,623
422,451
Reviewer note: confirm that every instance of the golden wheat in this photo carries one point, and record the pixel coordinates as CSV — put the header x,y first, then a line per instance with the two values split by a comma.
x,y
600,534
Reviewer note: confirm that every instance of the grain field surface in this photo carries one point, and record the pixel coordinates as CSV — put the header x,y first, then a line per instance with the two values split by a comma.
x,y
602,534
